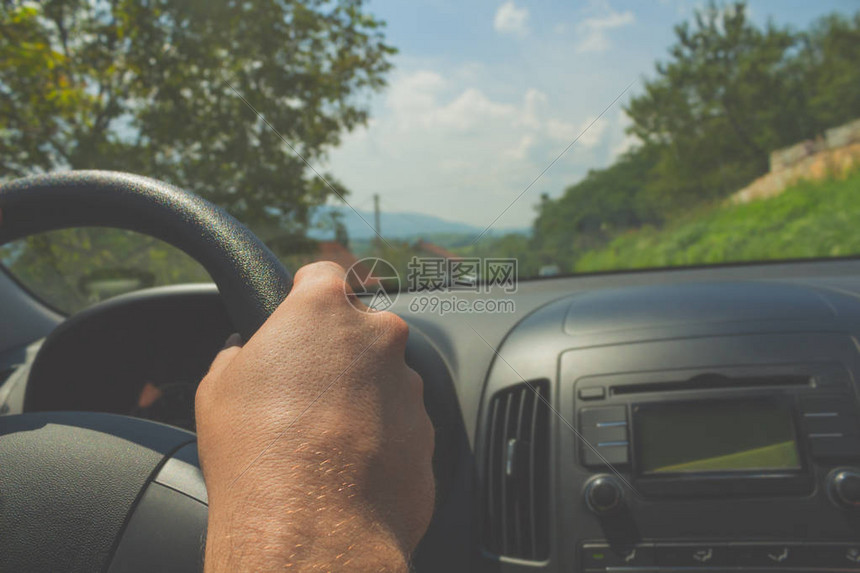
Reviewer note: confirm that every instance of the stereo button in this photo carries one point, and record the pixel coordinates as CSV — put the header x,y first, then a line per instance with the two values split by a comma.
x,y
843,557
835,446
605,436
611,454
604,495
592,417
818,425
776,555
608,436
715,555
601,555
595,393
844,488
822,405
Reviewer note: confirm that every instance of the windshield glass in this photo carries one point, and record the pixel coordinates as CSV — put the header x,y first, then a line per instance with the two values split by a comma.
x,y
566,136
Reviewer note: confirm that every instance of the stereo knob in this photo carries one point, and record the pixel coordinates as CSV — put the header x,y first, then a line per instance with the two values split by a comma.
x,y
604,495
845,488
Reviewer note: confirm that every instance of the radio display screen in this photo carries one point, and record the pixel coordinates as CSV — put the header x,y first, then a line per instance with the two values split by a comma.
x,y
739,435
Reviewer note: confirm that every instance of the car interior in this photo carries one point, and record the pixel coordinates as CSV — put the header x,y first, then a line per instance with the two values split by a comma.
x,y
624,235
663,420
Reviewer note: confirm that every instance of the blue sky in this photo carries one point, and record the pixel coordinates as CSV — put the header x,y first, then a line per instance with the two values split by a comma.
x,y
486,93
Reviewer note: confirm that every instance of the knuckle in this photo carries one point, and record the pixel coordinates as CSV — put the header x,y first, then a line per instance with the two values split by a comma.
x,y
317,269
396,328
331,285
327,287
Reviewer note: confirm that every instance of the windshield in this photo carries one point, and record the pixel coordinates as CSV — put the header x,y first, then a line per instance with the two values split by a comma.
x,y
565,136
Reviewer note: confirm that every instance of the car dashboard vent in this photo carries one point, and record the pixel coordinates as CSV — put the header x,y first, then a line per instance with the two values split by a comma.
x,y
516,487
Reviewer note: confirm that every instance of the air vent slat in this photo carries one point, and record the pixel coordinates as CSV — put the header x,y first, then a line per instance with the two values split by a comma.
x,y
518,502
505,507
492,475
517,472
533,431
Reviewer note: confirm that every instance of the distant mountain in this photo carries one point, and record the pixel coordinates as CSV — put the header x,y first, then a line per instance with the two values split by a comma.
x,y
398,225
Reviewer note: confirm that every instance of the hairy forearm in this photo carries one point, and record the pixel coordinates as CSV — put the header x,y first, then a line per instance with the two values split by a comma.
x,y
269,544
319,529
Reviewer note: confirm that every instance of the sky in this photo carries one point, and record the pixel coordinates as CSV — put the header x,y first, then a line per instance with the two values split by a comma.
x,y
486,94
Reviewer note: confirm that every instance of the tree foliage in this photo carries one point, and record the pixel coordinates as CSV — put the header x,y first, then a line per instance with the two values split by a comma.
x,y
729,94
166,88
224,98
831,50
605,202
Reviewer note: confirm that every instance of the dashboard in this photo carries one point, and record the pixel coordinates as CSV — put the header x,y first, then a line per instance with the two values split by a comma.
x,y
676,420
691,426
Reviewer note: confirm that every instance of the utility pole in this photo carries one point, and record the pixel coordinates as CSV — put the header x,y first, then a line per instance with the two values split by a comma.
x,y
377,227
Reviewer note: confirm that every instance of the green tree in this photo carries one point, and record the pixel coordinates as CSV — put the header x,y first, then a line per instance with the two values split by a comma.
x,y
510,245
831,75
592,211
166,89
157,86
729,94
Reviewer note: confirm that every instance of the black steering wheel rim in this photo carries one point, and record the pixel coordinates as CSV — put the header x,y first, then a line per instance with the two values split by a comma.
x,y
250,278
82,491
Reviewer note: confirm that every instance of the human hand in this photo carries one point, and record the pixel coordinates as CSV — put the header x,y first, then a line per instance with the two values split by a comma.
x,y
313,439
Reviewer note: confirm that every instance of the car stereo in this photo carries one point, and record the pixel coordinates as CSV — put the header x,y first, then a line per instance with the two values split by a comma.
x,y
719,434
744,446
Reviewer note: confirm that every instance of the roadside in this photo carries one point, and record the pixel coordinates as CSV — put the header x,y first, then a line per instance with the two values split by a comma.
x,y
808,219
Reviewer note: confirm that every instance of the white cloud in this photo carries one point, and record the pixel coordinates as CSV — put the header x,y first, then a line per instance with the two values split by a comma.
x,y
589,132
594,30
561,130
415,100
470,109
534,101
522,148
510,19
413,94
450,146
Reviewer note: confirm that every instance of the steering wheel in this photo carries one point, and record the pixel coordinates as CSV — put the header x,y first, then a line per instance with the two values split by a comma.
x,y
86,491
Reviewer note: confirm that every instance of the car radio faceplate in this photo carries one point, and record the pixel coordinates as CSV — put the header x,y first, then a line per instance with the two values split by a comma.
x,y
731,431
722,444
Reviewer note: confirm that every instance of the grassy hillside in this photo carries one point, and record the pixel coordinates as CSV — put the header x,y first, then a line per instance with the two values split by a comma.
x,y
820,219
